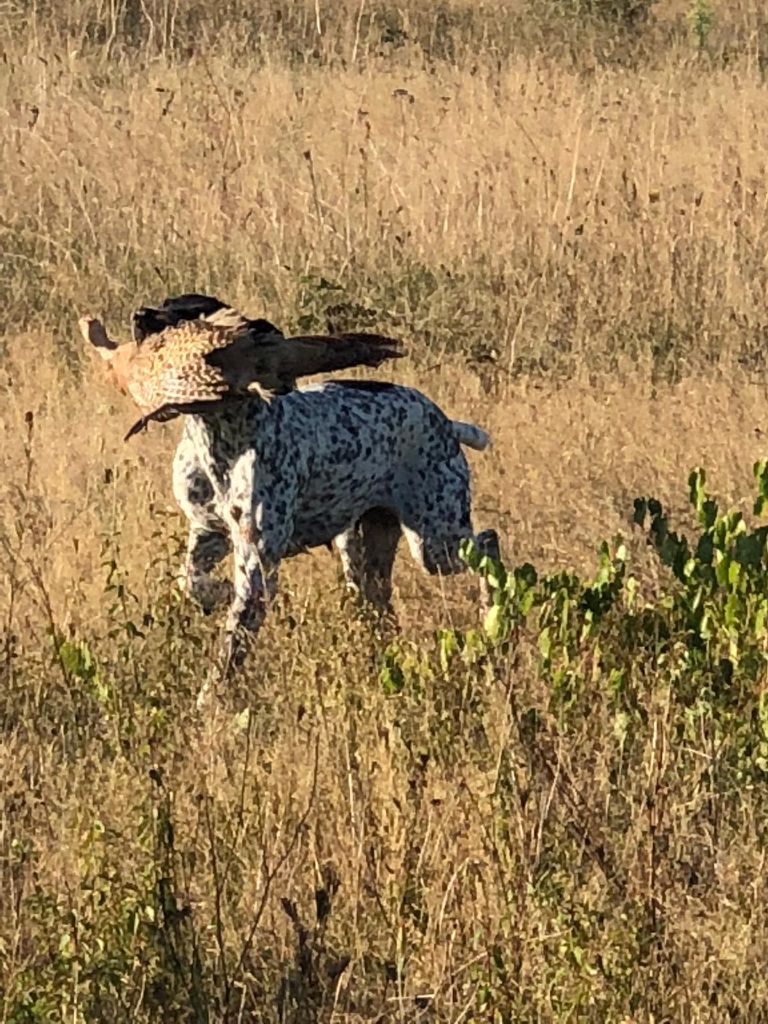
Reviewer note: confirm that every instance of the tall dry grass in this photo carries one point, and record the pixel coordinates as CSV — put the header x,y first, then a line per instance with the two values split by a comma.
x,y
567,222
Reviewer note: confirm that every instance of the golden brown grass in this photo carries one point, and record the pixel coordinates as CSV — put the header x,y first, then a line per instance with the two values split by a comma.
x,y
574,248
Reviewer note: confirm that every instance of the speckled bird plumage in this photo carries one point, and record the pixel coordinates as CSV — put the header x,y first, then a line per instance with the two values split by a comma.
x,y
172,368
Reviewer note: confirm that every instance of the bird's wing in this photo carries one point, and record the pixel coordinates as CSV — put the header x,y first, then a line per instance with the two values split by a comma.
x,y
147,321
271,360
175,309
262,326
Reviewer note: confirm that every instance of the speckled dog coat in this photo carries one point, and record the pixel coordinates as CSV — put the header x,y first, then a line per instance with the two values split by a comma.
x,y
352,462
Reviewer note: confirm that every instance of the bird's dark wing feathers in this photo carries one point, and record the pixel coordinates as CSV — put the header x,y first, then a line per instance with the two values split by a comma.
x,y
172,311
273,360
175,309
261,326
191,305
353,349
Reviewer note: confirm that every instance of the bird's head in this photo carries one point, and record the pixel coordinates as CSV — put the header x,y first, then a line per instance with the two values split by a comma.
x,y
116,357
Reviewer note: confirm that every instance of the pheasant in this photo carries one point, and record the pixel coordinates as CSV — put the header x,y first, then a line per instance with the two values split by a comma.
x,y
222,357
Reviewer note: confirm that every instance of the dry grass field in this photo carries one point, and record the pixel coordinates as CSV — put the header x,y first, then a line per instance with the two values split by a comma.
x,y
563,212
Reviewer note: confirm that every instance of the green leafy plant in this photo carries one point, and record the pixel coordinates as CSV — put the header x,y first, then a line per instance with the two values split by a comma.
x,y
702,20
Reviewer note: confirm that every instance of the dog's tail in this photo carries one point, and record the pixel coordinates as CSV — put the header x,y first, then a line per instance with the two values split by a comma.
x,y
471,436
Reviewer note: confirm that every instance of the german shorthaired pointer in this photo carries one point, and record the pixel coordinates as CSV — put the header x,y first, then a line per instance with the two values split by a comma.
x,y
269,471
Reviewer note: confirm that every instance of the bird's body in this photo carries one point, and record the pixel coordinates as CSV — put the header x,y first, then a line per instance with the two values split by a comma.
x,y
173,367
221,357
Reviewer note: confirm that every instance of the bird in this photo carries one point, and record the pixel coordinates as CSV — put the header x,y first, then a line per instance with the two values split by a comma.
x,y
220,357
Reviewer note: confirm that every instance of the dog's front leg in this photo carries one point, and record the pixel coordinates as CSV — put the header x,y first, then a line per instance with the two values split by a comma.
x,y
261,516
